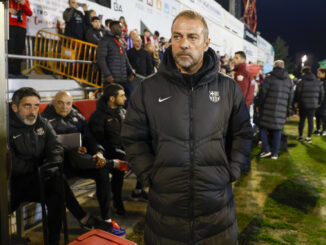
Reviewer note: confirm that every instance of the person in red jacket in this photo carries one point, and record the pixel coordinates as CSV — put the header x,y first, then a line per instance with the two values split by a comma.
x,y
18,12
243,77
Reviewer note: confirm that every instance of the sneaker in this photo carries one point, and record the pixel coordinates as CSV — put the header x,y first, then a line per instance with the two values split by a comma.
x,y
299,138
265,154
274,157
95,223
138,196
308,140
322,133
317,131
116,229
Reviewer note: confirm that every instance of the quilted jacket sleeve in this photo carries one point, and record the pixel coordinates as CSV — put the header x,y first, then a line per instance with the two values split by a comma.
x,y
137,139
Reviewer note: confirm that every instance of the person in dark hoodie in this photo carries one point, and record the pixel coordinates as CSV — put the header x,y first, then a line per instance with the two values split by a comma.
x,y
274,99
187,132
105,125
94,33
309,95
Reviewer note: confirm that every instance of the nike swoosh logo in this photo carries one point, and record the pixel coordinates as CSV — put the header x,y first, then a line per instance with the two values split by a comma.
x,y
164,99
16,136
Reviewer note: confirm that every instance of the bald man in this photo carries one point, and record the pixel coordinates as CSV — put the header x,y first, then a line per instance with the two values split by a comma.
x,y
86,161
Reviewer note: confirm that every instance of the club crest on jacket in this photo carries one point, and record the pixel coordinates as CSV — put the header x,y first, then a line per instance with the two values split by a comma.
x,y
214,96
40,131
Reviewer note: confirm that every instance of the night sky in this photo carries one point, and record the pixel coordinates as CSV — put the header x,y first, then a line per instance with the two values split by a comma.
x,y
301,23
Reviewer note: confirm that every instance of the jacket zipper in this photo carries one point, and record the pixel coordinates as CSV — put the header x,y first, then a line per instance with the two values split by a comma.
x,y
191,174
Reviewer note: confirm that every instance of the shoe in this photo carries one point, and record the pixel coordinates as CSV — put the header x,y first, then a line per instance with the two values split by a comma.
x,y
265,154
116,229
308,140
274,157
299,138
119,208
322,133
141,195
95,223
317,131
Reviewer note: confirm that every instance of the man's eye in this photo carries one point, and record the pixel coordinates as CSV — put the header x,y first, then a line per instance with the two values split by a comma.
x,y
176,37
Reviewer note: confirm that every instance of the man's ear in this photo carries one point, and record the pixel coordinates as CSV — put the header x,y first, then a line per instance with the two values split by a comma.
x,y
14,107
112,99
207,42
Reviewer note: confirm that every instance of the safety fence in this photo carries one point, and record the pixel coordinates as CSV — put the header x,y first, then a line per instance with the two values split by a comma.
x,y
53,45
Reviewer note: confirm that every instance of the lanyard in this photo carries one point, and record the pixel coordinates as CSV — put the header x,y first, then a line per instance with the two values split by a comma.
x,y
119,44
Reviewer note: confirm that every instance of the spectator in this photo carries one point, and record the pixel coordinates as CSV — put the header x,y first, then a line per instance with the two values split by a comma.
x,y
107,24
309,95
146,37
111,57
33,143
124,26
129,39
18,12
140,59
243,77
275,97
89,14
186,134
75,21
149,47
105,125
156,37
321,111
65,120
94,34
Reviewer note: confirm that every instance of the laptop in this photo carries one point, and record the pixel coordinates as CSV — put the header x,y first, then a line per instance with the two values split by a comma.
x,y
70,141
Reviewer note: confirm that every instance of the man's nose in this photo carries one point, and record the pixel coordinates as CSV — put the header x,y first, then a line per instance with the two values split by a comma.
x,y
184,43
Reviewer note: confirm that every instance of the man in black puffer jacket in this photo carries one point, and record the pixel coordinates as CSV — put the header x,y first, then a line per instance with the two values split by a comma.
x,y
111,57
186,134
105,125
274,99
308,94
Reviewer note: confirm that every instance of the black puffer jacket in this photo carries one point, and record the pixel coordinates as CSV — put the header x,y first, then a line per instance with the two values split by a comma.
x,y
186,137
274,99
74,122
309,92
31,146
105,124
112,59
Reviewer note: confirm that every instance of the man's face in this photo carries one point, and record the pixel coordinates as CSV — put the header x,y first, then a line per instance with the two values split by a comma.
x,y
137,42
96,24
238,59
188,44
73,4
116,30
320,74
120,99
147,33
27,109
62,104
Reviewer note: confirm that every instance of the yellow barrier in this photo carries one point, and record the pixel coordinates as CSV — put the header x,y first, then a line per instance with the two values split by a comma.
x,y
53,45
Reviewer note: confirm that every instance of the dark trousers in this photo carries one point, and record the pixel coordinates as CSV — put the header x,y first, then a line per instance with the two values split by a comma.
x,y
16,45
306,113
320,120
117,183
102,180
276,140
26,188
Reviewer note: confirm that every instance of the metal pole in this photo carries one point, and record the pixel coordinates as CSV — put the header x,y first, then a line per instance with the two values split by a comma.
x,y
4,239
27,57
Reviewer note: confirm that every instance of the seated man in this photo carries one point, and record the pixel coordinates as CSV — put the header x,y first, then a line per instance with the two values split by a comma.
x,y
65,119
32,143
105,124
